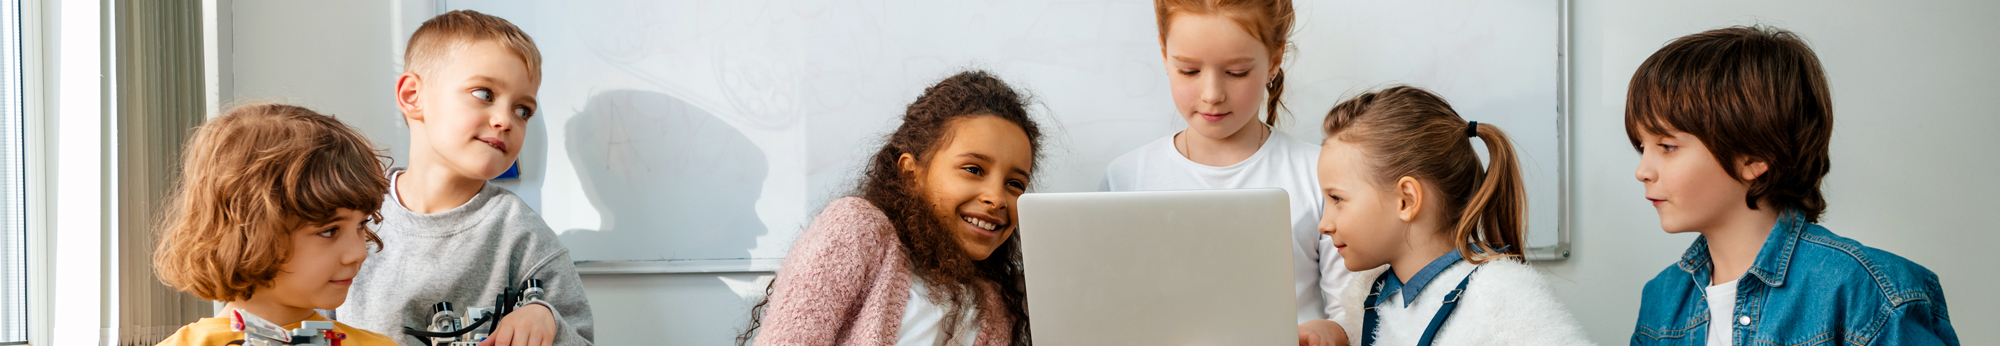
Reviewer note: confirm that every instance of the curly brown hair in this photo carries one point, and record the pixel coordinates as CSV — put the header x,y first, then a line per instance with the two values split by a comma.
x,y
956,280
248,178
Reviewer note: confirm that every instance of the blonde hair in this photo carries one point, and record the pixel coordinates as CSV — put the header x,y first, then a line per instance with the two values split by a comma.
x,y
1269,21
434,42
248,178
1409,132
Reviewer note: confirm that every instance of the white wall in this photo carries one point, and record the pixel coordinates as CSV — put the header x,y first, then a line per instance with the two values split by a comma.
x,y
1913,105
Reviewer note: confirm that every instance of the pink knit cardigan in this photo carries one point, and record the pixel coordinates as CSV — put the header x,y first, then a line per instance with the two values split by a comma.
x,y
845,282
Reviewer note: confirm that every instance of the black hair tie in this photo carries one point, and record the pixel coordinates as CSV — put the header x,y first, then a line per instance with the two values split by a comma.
x,y
1472,129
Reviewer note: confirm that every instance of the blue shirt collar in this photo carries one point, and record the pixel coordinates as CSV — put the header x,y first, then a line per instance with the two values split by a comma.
x,y
1417,282
1773,259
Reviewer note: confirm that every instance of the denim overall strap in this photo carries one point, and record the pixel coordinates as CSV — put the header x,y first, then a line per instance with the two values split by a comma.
x,y
1368,305
1437,321
1450,303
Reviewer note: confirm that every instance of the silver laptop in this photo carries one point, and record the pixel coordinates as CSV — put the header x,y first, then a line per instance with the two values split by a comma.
x,y
1208,267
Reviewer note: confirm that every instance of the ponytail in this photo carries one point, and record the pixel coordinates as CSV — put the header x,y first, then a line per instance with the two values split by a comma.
x,y
1410,132
1493,223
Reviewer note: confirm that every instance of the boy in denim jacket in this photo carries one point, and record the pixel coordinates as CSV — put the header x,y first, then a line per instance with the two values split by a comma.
x,y
1732,127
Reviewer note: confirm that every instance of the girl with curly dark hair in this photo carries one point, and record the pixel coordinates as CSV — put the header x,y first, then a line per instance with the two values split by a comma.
x,y
926,251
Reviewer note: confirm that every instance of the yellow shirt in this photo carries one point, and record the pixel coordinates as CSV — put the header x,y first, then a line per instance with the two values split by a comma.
x,y
215,331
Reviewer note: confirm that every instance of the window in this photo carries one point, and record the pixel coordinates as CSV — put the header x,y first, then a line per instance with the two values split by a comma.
x,y
13,186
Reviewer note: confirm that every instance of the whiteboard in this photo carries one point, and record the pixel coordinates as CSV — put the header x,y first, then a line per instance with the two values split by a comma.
x,y
700,136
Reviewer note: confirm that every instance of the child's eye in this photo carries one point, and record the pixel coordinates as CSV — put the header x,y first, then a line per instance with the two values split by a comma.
x,y
523,112
1245,73
1669,148
1190,72
328,233
1017,184
975,170
483,94
1335,199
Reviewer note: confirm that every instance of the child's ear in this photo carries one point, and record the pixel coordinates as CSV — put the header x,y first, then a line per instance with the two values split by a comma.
x,y
407,87
907,164
1276,61
1750,168
1409,198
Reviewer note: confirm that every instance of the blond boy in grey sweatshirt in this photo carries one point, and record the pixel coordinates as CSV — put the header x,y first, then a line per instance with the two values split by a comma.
x,y
467,91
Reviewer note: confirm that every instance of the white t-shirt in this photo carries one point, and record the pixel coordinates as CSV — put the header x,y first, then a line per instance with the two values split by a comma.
x,y
1282,162
1721,313
923,321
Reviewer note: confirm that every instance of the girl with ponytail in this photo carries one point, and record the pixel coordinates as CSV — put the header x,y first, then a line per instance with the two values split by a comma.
x,y
1224,66
1434,238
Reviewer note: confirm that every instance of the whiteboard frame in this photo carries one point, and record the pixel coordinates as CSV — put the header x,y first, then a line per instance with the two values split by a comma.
x,y
1559,251
707,266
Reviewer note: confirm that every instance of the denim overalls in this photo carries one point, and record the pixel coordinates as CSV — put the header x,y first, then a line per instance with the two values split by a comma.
x,y
1387,283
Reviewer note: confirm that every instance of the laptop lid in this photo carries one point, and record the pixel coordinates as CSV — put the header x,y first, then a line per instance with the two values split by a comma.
x,y
1209,267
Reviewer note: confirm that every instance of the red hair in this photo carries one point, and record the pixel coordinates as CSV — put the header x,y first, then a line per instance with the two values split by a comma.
x,y
1269,21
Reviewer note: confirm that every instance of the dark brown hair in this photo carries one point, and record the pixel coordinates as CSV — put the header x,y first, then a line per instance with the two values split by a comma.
x,y
1753,92
248,178
1269,21
956,280
431,46
1409,132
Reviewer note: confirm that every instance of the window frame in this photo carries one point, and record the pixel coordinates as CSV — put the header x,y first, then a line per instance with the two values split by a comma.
x,y
36,16
24,14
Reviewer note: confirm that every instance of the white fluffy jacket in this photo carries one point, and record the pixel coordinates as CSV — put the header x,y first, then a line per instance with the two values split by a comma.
x,y
1507,303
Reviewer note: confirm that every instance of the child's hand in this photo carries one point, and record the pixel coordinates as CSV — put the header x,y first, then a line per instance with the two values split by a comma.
x,y
1322,333
531,325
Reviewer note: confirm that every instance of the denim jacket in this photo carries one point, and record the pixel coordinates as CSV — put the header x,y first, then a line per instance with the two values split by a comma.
x,y
1807,287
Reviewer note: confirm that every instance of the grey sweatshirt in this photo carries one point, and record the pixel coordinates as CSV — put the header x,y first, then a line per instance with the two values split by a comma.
x,y
467,256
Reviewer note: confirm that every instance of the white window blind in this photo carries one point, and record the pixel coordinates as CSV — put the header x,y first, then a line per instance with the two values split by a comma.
x,y
13,188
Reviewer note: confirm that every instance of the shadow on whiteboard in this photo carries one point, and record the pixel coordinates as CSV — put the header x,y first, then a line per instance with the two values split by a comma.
x,y
669,180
